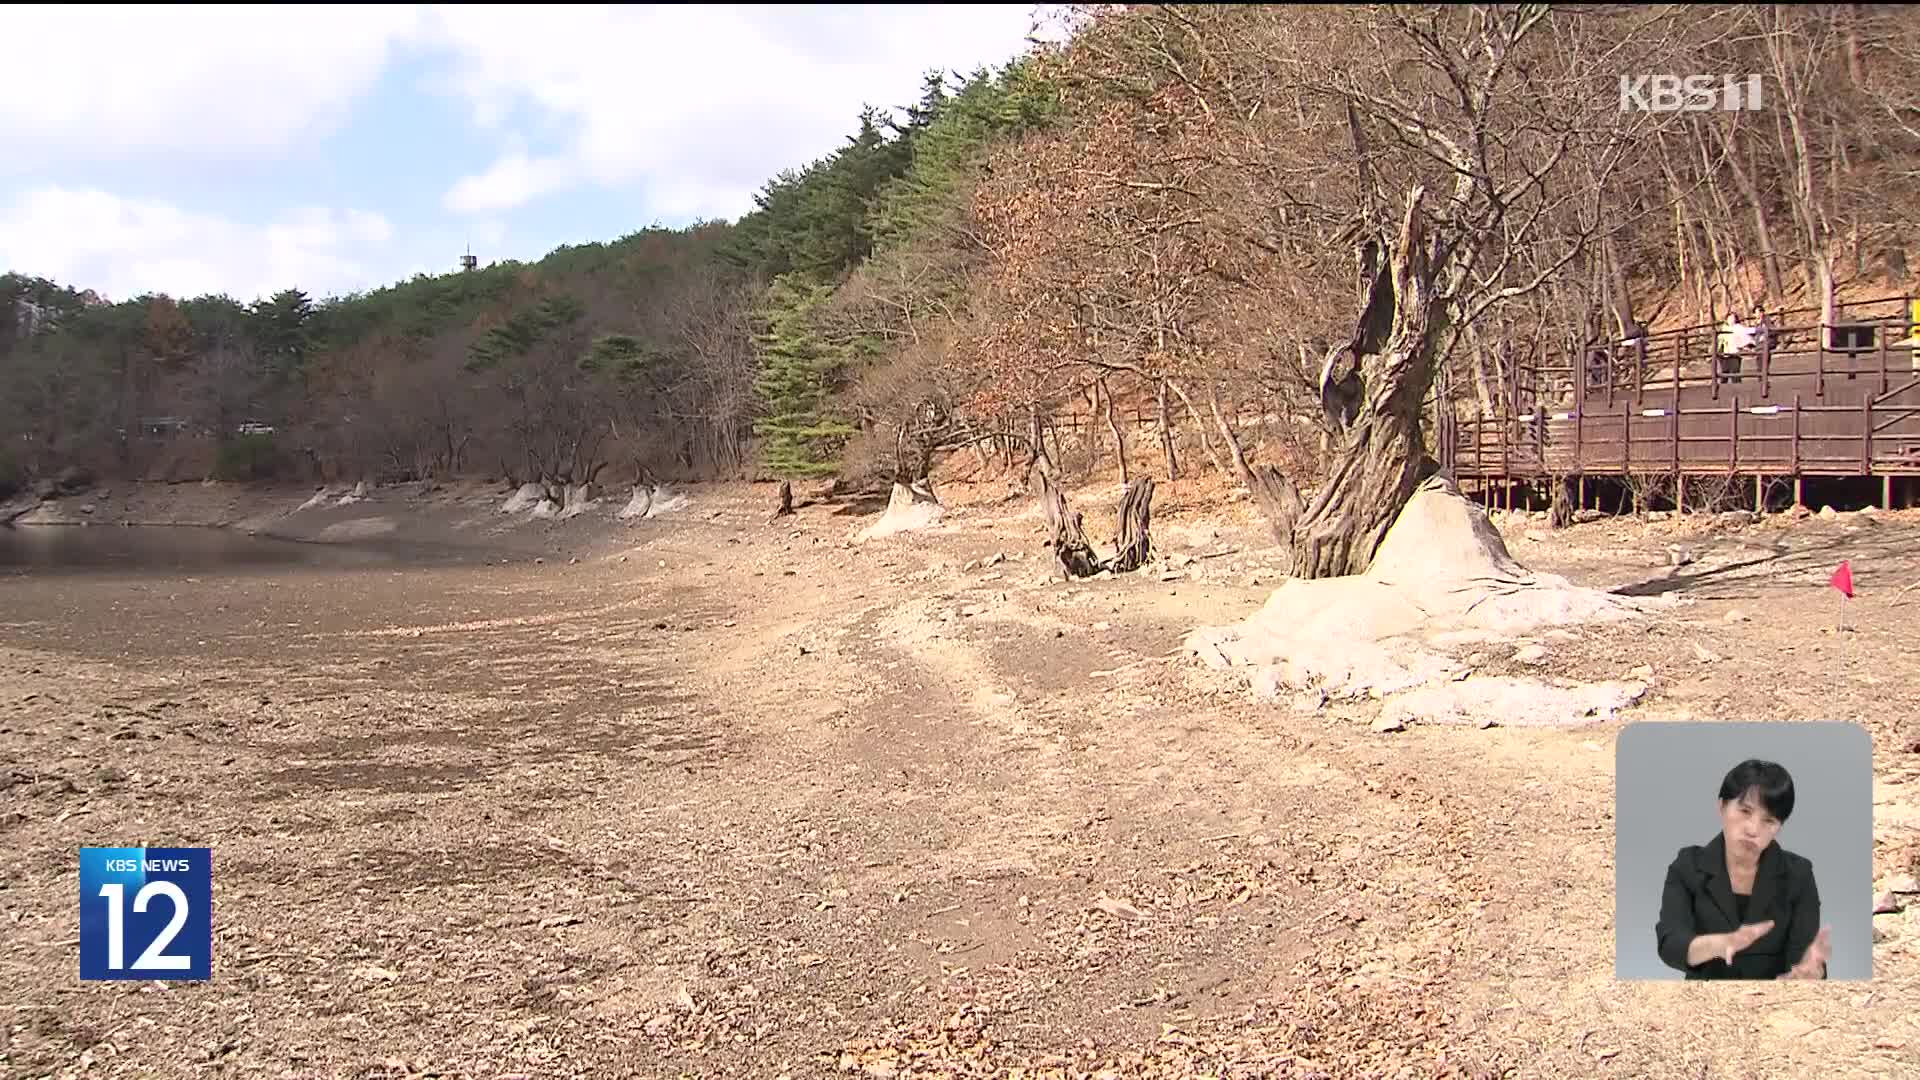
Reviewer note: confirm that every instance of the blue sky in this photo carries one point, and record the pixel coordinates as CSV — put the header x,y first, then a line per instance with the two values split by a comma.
x,y
244,150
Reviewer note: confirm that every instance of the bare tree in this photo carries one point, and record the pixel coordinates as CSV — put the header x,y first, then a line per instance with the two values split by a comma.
x,y
710,317
550,412
911,404
420,412
1430,172
224,387
49,405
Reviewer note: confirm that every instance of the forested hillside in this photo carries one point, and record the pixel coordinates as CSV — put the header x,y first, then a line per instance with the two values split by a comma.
x,y
1187,211
635,352
691,353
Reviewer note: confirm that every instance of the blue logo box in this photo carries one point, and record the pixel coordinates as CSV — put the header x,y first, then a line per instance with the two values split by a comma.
x,y
146,913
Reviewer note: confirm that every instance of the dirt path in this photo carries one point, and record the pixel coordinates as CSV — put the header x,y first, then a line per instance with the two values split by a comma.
x,y
750,801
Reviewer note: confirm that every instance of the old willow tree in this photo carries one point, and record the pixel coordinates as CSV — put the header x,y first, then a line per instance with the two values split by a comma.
x,y
1418,163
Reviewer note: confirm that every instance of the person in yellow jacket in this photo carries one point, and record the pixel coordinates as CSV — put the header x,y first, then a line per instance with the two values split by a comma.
x,y
1912,340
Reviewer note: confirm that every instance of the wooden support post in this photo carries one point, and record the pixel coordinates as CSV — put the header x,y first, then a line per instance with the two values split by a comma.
x,y
1759,493
1866,436
1766,364
1512,418
1580,497
1793,452
1799,498
1680,493
1579,438
1881,333
1886,491
1675,435
1733,435
1626,439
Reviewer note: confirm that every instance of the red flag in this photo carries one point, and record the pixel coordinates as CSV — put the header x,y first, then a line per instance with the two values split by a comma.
x,y
1842,579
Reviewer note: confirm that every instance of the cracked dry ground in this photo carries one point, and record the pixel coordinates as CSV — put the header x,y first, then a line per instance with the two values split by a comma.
x,y
690,815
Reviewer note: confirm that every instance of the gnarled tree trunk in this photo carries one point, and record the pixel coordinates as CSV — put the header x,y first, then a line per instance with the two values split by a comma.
x,y
1136,517
1038,459
1279,498
1073,556
1372,391
1565,494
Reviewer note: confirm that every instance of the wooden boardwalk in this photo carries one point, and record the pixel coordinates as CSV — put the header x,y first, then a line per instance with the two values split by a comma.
x,y
1795,406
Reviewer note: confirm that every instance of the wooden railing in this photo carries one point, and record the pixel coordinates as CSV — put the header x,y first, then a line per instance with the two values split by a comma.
x,y
1796,404
1792,439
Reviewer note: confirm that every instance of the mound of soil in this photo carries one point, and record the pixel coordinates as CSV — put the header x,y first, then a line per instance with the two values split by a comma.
x,y
1442,578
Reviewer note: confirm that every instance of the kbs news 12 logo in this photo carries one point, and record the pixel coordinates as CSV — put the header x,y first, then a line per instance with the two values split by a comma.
x,y
146,913
1693,93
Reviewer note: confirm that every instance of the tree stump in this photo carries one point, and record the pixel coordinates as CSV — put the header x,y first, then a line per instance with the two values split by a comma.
x,y
786,500
1136,514
1073,557
1564,496
1279,499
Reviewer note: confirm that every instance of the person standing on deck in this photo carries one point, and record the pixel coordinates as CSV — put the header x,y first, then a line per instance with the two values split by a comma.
x,y
1735,338
1763,334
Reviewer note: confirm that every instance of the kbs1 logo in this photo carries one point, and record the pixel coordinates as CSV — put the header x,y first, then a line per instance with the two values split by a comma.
x,y
146,913
1694,93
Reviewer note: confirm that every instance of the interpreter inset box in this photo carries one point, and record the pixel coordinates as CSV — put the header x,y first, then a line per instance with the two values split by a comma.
x,y
1743,851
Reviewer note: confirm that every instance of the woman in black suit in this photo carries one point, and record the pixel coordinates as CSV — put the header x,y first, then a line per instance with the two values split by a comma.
x,y
1743,907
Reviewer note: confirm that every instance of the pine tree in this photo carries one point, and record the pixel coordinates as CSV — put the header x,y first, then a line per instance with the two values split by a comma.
x,y
812,227
799,369
282,329
949,136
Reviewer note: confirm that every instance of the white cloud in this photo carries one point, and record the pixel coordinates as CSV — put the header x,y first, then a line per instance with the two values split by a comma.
x,y
124,247
509,182
685,110
694,106
218,83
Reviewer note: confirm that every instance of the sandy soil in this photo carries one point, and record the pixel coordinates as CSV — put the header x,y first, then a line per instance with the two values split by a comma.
x,y
726,798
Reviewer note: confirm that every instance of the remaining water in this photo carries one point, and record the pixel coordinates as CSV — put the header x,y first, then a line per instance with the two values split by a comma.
x,y
36,549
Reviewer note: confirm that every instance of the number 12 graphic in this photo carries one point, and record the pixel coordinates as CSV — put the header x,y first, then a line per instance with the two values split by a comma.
x,y
169,922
